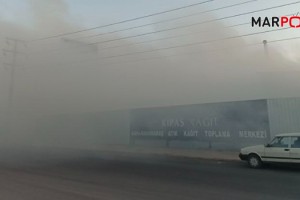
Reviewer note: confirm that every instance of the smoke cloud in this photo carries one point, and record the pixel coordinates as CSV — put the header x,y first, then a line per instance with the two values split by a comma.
x,y
64,75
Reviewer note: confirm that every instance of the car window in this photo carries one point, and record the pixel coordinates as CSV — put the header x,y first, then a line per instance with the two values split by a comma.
x,y
295,142
280,142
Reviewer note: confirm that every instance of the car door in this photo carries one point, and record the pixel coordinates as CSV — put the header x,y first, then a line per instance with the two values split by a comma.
x,y
278,150
295,150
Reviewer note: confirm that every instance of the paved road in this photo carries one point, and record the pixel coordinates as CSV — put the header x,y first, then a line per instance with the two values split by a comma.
x,y
117,177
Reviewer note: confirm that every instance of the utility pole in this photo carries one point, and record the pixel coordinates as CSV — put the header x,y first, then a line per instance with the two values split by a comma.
x,y
12,49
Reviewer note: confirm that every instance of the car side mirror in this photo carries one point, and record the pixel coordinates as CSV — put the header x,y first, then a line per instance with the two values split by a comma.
x,y
267,145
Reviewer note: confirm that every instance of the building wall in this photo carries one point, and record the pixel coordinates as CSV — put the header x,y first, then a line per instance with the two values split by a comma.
x,y
90,130
83,130
226,125
284,115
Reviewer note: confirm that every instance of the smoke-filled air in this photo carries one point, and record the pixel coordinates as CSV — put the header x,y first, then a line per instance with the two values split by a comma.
x,y
65,63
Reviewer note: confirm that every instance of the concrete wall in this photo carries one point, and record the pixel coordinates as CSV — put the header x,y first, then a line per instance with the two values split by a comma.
x,y
90,130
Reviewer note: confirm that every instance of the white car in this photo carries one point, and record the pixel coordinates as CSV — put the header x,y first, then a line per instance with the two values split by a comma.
x,y
284,148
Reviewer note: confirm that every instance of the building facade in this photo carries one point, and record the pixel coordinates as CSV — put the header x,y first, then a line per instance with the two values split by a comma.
x,y
224,126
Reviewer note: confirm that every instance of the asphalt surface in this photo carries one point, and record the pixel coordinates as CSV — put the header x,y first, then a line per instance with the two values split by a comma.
x,y
123,177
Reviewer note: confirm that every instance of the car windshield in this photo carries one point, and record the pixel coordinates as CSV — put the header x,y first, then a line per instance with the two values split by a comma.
x,y
280,142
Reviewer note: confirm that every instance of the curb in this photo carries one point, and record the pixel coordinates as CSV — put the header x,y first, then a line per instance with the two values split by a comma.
x,y
174,156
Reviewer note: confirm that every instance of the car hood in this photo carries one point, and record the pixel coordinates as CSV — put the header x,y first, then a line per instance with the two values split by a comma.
x,y
256,148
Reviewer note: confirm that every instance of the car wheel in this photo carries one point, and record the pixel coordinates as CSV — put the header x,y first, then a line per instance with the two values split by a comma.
x,y
254,161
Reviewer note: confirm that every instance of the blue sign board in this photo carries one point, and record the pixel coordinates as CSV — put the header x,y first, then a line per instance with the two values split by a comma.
x,y
229,121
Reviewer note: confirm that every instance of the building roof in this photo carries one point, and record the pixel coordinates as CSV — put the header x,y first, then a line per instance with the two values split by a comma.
x,y
289,134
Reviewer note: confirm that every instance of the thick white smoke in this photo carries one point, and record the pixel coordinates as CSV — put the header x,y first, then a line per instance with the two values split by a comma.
x,y
78,79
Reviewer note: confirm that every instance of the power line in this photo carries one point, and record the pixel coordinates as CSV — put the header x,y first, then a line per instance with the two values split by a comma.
x,y
184,45
171,37
194,24
125,21
285,39
211,51
181,54
149,41
185,54
185,26
196,53
168,20
195,43
173,19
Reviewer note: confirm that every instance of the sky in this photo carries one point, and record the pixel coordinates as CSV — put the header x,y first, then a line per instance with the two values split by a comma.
x,y
78,78
92,13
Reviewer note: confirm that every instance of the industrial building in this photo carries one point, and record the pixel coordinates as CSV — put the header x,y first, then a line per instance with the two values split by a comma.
x,y
224,125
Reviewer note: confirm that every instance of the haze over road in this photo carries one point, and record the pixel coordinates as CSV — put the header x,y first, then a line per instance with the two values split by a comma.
x,y
125,177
